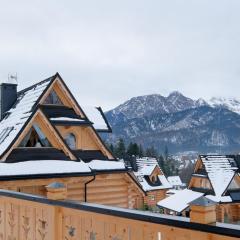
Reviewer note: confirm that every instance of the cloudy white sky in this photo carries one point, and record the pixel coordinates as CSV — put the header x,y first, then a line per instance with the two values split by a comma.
x,y
109,51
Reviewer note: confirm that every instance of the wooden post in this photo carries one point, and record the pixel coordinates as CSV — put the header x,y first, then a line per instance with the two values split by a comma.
x,y
56,191
203,210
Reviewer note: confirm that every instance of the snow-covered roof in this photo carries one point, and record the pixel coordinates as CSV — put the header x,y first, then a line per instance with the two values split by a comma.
x,y
67,119
220,172
96,115
24,107
43,167
222,199
145,168
175,181
106,165
146,161
180,200
18,115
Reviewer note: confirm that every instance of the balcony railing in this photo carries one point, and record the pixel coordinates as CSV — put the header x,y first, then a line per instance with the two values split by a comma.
x,y
30,217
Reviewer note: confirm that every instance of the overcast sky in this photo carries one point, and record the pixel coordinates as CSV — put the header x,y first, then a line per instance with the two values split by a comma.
x,y
109,51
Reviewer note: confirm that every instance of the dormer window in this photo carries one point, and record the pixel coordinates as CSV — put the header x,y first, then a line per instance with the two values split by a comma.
x,y
35,138
154,179
53,98
71,140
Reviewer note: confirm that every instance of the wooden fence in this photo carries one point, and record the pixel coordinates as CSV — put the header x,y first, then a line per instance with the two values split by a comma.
x,y
30,217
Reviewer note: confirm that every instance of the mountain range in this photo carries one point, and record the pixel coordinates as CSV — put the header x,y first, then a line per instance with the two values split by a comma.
x,y
178,122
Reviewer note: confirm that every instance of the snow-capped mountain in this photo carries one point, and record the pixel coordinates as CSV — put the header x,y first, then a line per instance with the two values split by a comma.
x,y
179,122
231,104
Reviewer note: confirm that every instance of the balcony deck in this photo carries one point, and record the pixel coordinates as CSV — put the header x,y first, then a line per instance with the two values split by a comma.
x,y
25,216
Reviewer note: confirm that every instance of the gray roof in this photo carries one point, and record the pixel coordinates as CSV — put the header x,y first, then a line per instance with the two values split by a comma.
x,y
202,201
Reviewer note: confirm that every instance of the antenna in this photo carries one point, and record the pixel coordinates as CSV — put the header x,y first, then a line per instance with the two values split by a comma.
x,y
13,78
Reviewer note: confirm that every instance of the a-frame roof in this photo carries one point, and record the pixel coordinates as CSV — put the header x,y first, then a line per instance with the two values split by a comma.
x,y
20,114
220,172
17,118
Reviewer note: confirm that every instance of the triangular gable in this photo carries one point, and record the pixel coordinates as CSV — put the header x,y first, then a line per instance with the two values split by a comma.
x,y
68,99
20,114
48,129
64,94
234,184
198,165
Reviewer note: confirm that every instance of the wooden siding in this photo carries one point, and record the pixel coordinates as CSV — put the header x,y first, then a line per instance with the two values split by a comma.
x,y
31,220
109,189
200,182
153,197
47,129
86,138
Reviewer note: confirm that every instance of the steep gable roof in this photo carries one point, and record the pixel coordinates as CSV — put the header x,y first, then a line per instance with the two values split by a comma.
x,y
27,103
145,168
97,116
19,115
220,172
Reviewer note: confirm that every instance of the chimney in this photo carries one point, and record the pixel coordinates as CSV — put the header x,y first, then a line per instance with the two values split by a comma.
x,y
203,210
8,96
56,191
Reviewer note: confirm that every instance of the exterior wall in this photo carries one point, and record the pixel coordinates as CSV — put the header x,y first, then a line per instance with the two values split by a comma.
x,y
86,138
228,213
83,137
200,182
153,197
108,189
114,190
32,220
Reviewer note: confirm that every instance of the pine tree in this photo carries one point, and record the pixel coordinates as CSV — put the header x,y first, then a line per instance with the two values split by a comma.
x,y
141,151
151,152
166,153
133,149
120,149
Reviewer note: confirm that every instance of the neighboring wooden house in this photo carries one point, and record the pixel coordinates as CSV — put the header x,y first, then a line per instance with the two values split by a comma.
x,y
217,178
152,180
46,136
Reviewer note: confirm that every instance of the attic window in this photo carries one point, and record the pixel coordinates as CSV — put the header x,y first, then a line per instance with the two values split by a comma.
x,y
53,98
35,138
71,140
154,179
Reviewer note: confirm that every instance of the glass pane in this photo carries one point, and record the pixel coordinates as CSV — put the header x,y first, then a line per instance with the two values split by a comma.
x,y
53,98
71,140
35,138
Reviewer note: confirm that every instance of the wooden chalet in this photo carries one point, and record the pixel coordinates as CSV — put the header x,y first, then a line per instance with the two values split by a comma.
x,y
152,180
217,178
46,137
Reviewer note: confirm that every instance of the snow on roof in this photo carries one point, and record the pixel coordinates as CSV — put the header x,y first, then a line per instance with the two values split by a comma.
x,y
223,199
67,119
106,165
147,187
17,116
43,167
94,115
220,172
175,180
180,200
146,161
145,168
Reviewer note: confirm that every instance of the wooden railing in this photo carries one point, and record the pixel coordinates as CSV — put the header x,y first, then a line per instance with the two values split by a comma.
x,y
30,217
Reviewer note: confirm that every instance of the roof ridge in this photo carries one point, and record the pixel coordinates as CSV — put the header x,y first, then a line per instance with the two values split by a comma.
x,y
36,84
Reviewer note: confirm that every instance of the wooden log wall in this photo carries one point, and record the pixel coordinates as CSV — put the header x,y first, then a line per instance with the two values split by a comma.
x,y
30,218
